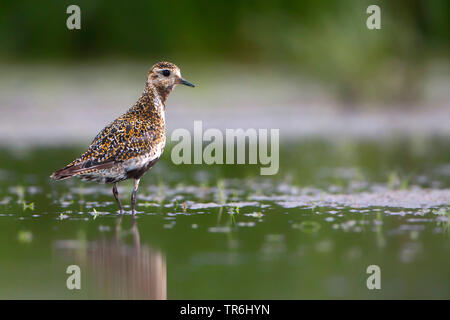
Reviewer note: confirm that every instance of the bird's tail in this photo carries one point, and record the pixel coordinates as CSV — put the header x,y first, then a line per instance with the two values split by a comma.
x,y
81,168
64,173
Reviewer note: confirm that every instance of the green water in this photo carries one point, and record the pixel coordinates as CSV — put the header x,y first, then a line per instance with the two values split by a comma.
x,y
224,232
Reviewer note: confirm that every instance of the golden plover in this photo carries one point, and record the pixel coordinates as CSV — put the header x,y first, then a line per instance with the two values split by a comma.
x,y
132,143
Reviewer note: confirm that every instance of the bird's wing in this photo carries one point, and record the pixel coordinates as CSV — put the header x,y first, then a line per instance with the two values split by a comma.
x,y
121,140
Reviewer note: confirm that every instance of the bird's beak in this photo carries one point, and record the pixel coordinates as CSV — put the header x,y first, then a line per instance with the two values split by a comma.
x,y
187,83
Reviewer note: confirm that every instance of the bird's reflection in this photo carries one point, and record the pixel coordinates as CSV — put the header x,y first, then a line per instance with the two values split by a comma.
x,y
120,270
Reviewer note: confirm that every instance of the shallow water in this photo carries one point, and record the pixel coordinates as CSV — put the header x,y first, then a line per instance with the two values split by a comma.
x,y
223,232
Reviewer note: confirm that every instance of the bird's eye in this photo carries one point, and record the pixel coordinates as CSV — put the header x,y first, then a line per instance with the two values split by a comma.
x,y
166,73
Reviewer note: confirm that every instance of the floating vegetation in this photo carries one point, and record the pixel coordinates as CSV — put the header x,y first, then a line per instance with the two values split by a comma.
x,y
307,226
26,206
222,229
169,225
246,224
5,200
95,214
254,214
233,218
24,236
443,218
62,216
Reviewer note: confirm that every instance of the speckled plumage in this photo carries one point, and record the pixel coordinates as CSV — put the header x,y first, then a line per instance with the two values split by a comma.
x,y
130,145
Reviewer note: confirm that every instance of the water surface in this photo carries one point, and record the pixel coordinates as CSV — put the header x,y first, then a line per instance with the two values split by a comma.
x,y
224,232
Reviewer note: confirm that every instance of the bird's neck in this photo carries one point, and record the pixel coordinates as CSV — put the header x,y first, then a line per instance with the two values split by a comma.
x,y
158,92
153,99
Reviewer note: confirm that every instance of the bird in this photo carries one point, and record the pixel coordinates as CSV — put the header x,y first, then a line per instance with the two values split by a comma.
x,y
130,145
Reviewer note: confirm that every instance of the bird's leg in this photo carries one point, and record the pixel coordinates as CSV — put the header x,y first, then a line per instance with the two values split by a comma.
x,y
133,195
116,196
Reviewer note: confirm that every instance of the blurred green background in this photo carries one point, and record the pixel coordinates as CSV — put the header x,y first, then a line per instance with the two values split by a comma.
x,y
326,41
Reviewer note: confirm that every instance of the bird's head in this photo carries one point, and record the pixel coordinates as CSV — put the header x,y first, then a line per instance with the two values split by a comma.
x,y
164,76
